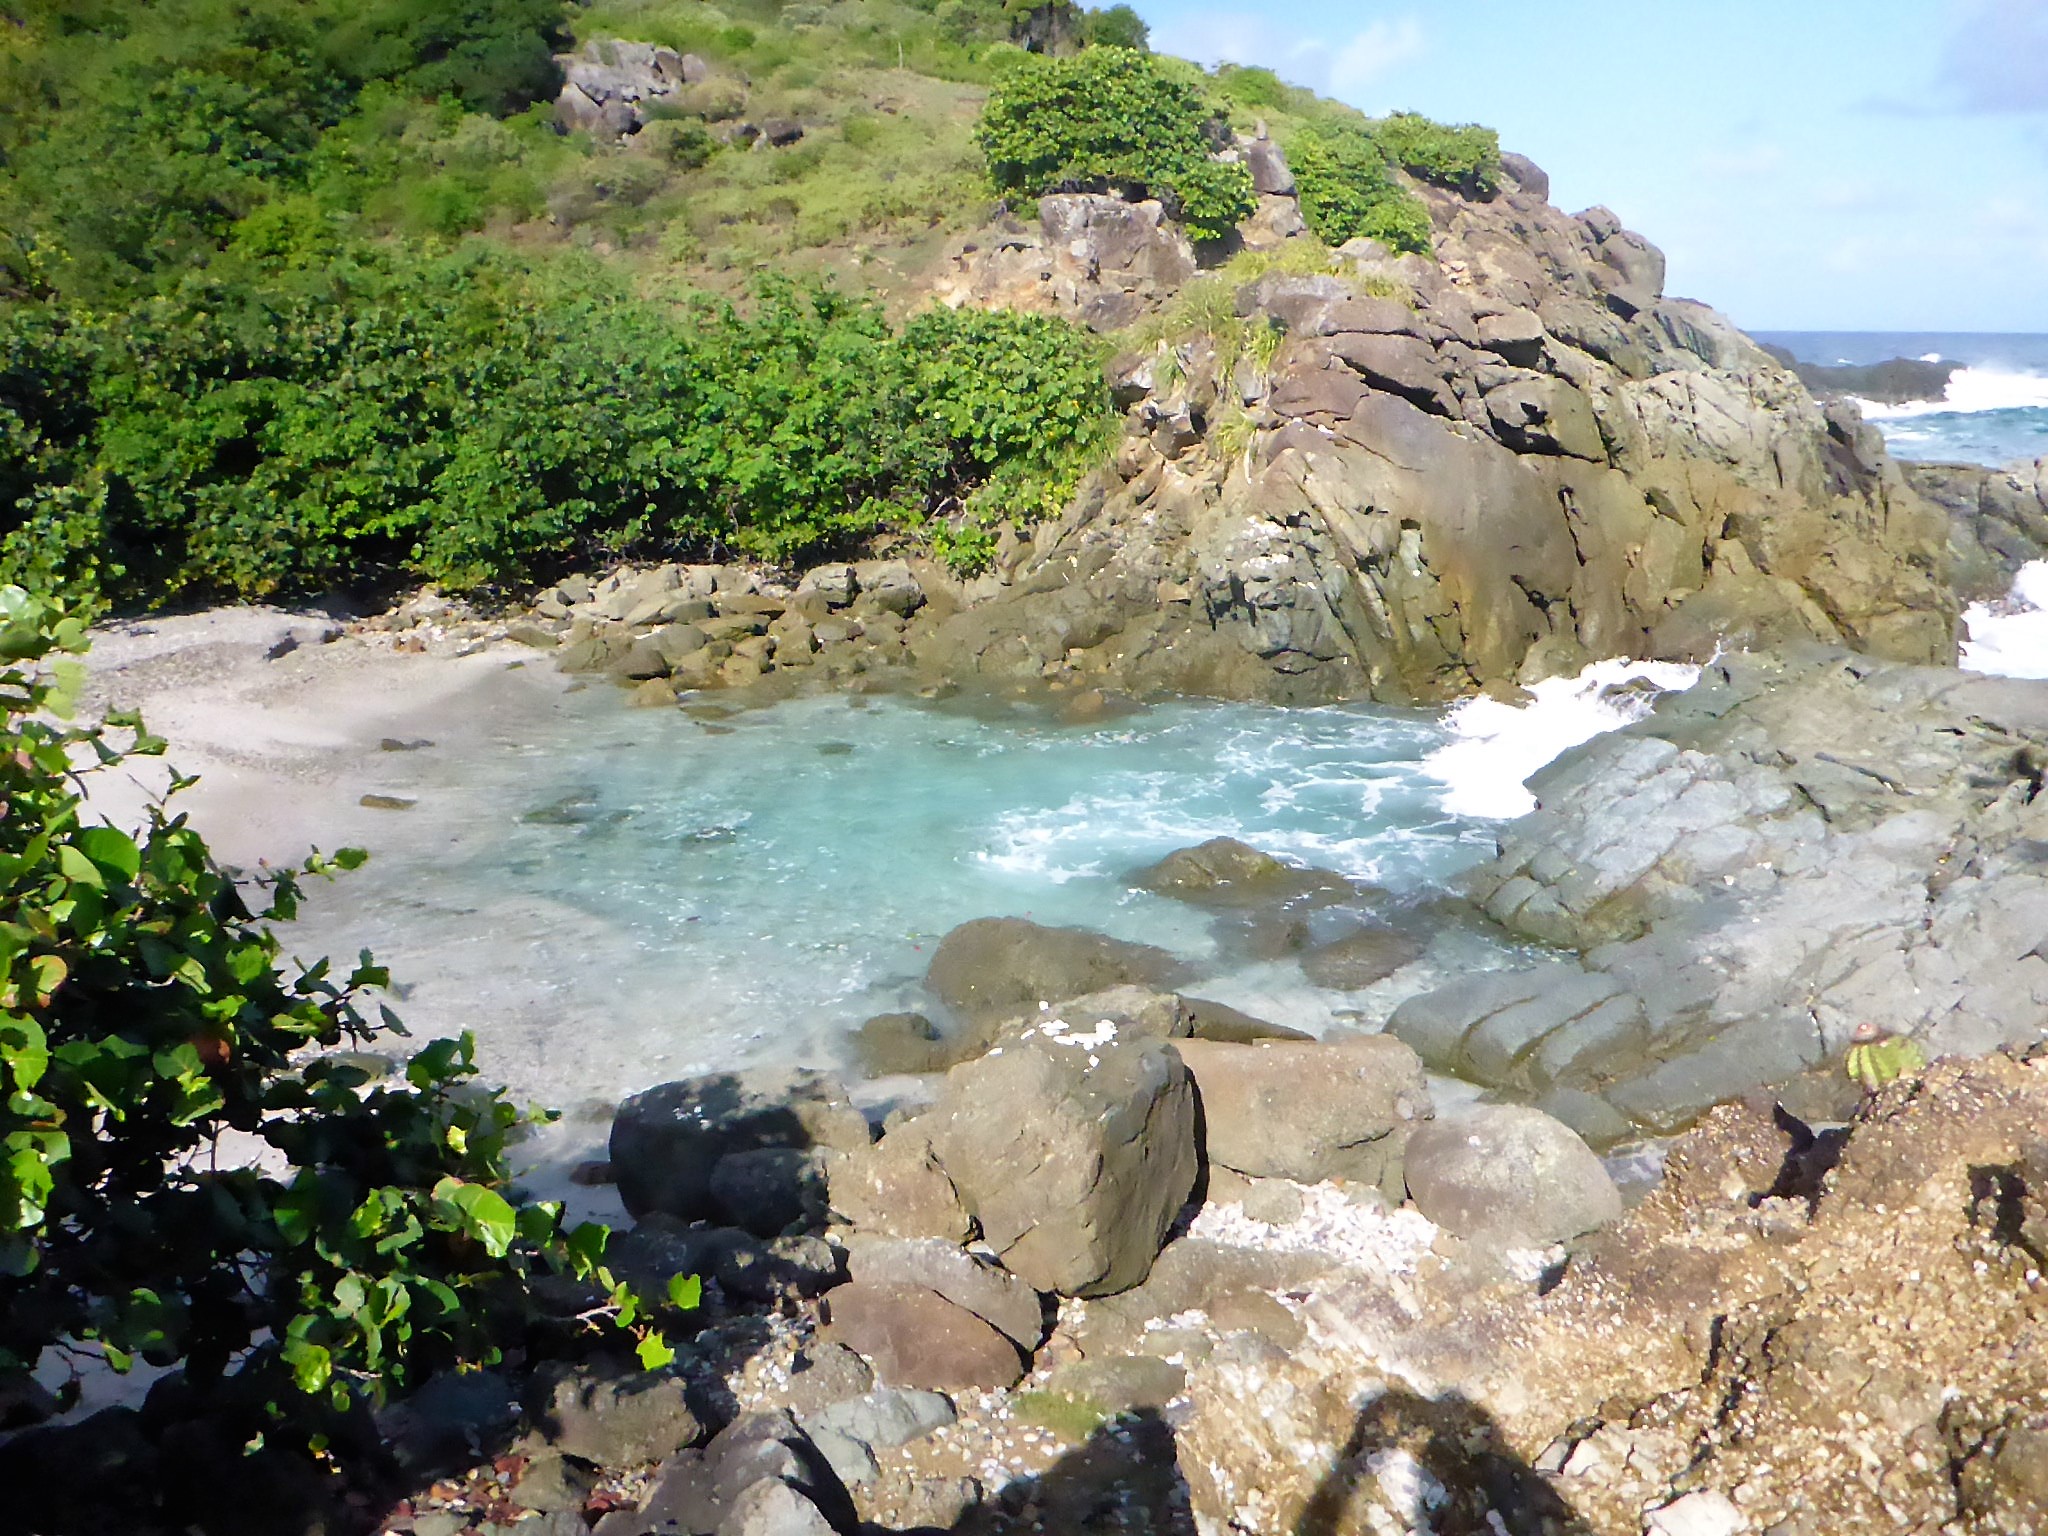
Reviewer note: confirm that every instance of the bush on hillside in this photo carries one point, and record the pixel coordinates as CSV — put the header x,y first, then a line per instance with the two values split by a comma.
x,y
146,1028
1111,119
1346,192
151,129
474,419
1465,159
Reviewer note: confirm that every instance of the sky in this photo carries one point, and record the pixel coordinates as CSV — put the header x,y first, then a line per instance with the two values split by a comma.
x,y
1804,164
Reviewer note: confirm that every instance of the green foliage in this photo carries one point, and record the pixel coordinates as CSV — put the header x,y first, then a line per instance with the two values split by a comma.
x,y
144,1017
1073,1419
1466,159
154,128
1341,175
475,419
1111,119
1117,27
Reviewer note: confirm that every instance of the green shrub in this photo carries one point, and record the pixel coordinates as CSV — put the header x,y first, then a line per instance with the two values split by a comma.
x,y
1111,119
143,1016
474,419
1466,159
1346,193
1117,27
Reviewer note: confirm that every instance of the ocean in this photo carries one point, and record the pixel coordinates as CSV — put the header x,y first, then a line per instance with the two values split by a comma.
x,y
1996,410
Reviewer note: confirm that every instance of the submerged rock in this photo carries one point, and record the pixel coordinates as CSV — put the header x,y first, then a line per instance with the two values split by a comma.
x,y
997,967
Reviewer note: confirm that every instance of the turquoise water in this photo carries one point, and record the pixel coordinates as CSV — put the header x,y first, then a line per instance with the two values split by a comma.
x,y
615,897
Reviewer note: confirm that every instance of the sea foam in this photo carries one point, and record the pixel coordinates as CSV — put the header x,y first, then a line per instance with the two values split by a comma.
x,y
1499,747
1971,390
2009,637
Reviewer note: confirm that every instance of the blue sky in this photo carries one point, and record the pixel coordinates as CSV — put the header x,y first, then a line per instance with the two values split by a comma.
x,y
1805,164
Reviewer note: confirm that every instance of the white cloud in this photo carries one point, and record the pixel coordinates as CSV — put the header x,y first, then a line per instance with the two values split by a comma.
x,y
1366,60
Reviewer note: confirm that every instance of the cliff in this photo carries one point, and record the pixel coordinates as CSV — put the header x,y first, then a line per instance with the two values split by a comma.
x,y
1487,465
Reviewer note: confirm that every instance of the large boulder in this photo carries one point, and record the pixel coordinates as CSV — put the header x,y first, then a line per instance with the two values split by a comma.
x,y
1000,967
1309,1110
914,1337
668,1142
1507,1175
1074,1150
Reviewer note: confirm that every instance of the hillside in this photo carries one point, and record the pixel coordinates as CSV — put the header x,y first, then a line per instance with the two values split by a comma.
x,y
304,296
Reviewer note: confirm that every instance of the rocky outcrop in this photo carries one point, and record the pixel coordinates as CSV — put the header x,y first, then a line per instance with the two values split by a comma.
x,y
1309,1110
1088,256
1779,1330
1491,464
1799,845
608,86
1998,520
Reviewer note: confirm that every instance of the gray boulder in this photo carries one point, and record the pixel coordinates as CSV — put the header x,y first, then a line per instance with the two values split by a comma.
x,y
1309,1111
666,1143
1507,1175
1074,1150
1000,967
611,1419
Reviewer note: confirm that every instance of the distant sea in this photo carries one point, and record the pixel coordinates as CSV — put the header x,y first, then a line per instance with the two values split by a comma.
x,y
1996,409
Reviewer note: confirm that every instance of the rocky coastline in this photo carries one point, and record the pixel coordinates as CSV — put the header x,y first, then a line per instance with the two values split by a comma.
x,y
1120,1258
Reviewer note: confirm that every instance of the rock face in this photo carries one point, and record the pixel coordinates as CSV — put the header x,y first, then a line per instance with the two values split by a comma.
x,y
1074,1150
1096,258
1508,1175
1524,458
1306,1110
1800,844
1998,520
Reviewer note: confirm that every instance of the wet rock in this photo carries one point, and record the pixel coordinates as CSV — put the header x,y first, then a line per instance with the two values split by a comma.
x,y
1226,872
1312,1110
890,1043
1506,1175
1219,1021
1074,1152
914,1337
997,967
1359,960
666,1143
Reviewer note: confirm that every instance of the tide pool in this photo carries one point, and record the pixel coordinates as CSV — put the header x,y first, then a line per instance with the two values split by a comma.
x,y
612,897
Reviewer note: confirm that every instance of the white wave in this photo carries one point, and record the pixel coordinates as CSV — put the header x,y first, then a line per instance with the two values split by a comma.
x,y
2009,638
1499,747
1930,357
1971,390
